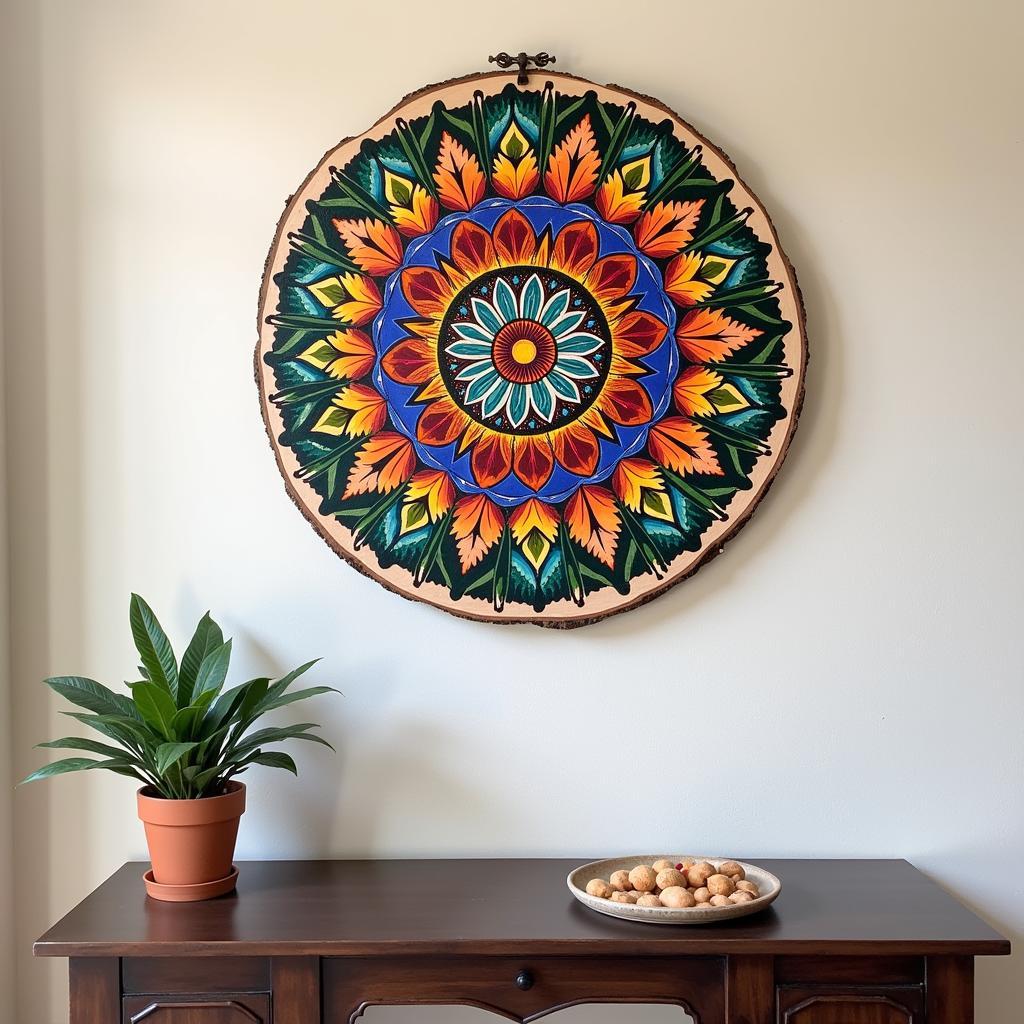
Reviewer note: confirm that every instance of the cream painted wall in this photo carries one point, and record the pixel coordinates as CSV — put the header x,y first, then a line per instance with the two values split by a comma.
x,y
7,945
862,631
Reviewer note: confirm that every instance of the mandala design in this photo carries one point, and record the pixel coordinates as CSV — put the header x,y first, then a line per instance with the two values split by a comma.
x,y
525,354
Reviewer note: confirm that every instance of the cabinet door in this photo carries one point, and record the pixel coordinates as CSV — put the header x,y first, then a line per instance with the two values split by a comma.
x,y
185,1009
894,1006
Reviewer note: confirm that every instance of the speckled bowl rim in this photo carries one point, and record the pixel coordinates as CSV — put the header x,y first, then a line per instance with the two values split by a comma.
x,y
767,883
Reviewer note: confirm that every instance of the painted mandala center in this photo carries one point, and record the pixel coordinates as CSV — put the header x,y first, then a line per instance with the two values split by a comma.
x,y
524,349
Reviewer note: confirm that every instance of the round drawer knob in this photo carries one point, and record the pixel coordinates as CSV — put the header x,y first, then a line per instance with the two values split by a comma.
x,y
524,980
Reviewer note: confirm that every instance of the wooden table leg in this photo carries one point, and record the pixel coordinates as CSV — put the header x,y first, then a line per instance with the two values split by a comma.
x,y
95,990
949,983
749,990
296,984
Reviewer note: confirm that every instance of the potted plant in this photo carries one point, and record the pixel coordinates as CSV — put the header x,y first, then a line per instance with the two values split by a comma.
x,y
186,739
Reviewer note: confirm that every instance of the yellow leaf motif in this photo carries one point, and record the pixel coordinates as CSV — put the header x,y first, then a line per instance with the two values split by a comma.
x,y
515,173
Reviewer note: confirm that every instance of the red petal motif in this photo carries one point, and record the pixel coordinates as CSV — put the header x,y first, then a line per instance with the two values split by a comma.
x,y
514,239
637,334
491,460
533,461
577,449
626,402
575,248
411,361
612,277
441,422
426,290
472,249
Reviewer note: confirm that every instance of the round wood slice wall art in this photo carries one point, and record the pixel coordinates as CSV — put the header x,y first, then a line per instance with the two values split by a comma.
x,y
528,352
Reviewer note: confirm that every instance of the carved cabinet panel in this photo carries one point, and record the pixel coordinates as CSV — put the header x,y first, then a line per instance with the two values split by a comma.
x,y
196,1009
817,1006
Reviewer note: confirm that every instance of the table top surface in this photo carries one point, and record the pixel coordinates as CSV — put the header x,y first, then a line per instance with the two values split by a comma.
x,y
510,908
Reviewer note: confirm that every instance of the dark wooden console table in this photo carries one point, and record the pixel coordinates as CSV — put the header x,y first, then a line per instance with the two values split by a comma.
x,y
848,942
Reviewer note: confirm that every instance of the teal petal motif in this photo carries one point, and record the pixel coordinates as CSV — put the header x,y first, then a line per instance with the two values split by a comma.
x,y
573,366
563,386
581,344
518,404
543,400
469,349
487,315
474,332
555,307
496,399
564,324
532,298
478,390
505,300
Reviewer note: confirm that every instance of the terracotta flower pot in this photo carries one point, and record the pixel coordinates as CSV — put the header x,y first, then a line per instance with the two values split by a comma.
x,y
192,842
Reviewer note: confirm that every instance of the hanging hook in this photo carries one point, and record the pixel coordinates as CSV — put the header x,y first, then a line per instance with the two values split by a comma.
x,y
523,60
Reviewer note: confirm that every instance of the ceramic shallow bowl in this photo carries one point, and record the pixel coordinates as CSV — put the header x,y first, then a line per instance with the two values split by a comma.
x,y
766,882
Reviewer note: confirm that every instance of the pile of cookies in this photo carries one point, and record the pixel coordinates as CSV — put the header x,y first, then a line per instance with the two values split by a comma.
x,y
690,883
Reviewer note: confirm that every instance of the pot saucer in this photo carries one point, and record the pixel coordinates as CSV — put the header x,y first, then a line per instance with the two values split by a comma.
x,y
192,893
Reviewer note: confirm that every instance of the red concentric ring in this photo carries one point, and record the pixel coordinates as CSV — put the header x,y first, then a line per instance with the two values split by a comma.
x,y
524,351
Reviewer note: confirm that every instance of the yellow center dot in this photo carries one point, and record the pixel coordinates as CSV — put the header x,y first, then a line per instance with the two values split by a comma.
x,y
524,351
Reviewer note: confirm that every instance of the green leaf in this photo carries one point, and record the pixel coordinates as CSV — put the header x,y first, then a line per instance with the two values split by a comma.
x,y
214,670
282,684
153,646
711,268
222,711
171,753
93,746
535,544
119,727
254,692
206,639
291,698
92,696
156,706
275,735
632,178
275,759
76,764
203,779
401,192
722,399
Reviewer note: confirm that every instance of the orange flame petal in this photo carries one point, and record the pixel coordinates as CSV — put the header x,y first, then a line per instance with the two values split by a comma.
x,y
594,522
681,445
708,335
667,227
383,463
375,247
476,526
460,182
573,167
